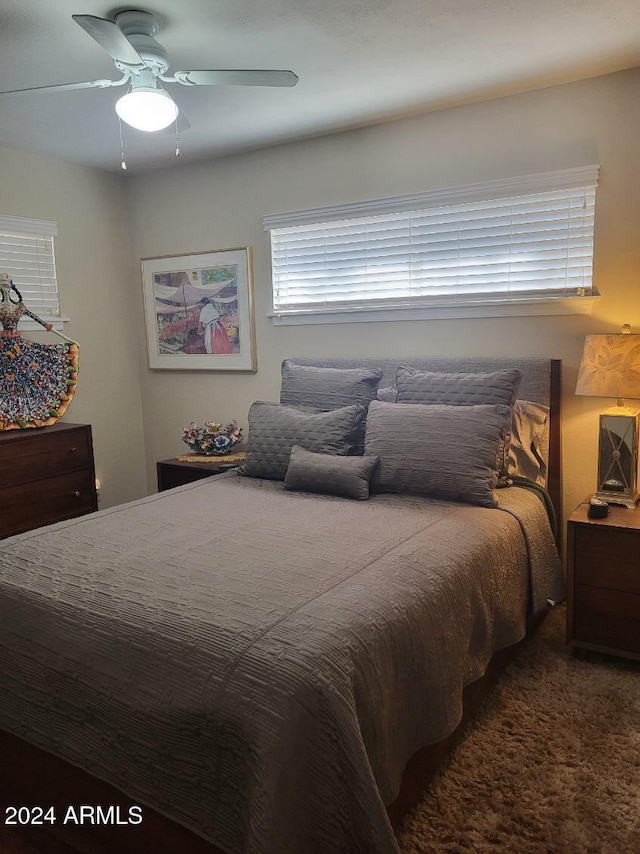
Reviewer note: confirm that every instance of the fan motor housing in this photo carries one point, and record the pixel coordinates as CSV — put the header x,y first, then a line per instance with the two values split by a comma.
x,y
140,29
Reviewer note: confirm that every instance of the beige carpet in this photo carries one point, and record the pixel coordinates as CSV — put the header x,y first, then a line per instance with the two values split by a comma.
x,y
550,765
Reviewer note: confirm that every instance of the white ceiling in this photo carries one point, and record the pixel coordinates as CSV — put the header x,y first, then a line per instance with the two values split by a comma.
x,y
360,62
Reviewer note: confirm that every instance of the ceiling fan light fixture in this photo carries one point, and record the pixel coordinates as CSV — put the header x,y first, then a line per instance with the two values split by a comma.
x,y
147,108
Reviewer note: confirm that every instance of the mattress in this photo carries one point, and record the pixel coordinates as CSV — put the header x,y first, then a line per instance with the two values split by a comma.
x,y
259,665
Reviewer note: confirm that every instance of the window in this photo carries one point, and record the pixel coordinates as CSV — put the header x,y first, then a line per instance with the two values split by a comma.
x,y
516,241
26,254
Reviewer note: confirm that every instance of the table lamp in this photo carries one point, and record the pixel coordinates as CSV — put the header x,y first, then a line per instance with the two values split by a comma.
x,y
610,367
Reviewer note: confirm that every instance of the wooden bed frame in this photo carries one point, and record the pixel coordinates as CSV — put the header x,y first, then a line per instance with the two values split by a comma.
x,y
30,776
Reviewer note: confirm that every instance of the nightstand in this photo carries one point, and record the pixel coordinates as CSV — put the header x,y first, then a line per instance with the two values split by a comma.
x,y
603,602
177,471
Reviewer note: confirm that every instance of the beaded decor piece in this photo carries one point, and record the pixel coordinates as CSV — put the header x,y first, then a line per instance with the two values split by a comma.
x,y
37,381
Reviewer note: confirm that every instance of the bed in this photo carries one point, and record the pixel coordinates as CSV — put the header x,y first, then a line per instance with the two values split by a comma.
x,y
258,661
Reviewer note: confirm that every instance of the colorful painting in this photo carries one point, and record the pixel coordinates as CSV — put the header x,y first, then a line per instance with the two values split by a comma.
x,y
199,311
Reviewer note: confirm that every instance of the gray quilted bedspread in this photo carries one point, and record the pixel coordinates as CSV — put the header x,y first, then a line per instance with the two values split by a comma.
x,y
257,664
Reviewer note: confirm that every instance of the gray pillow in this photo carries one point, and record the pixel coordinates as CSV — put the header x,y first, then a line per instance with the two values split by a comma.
x,y
327,388
275,429
445,451
457,389
462,389
389,394
330,388
328,474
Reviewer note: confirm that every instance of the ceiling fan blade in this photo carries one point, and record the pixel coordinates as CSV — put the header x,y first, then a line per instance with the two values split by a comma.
x,y
232,77
111,38
62,87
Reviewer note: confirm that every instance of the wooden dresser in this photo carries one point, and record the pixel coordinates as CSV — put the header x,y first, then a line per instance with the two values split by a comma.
x,y
46,475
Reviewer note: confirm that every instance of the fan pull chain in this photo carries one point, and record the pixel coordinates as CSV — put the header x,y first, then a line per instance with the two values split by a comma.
x,y
123,163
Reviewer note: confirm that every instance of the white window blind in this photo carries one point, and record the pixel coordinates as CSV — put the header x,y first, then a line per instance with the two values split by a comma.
x,y
26,254
518,239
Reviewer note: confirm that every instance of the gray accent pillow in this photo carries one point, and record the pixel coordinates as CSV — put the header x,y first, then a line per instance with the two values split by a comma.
x,y
444,451
327,388
329,474
462,389
274,429
389,394
457,389
330,388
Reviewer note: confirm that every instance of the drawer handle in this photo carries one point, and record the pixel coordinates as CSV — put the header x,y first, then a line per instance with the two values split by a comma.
x,y
73,450
77,493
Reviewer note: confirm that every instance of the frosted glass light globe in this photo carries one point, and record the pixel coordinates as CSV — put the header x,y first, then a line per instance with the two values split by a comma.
x,y
147,108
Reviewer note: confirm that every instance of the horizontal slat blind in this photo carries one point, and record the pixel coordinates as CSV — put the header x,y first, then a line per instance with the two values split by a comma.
x,y
529,246
27,256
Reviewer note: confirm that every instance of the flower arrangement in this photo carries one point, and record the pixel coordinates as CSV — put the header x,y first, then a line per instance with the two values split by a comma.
x,y
213,439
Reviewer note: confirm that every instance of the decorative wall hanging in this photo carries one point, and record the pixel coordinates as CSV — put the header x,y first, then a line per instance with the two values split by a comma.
x,y
199,311
37,381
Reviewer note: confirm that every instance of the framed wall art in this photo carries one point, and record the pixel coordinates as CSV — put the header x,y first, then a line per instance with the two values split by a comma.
x,y
199,311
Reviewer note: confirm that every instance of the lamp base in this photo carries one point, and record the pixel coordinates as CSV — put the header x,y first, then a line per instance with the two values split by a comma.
x,y
629,501
618,456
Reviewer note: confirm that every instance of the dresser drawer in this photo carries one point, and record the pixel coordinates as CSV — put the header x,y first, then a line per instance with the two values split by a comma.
x,y
43,454
31,505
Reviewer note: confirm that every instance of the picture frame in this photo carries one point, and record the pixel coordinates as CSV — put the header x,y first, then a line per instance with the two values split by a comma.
x,y
199,311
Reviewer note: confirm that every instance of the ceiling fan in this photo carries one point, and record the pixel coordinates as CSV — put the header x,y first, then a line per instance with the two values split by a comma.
x,y
130,41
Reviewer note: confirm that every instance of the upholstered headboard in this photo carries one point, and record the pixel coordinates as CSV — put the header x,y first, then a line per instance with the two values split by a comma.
x,y
541,383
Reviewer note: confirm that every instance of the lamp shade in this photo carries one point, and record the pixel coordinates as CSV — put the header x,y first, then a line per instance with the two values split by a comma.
x,y
610,366
147,108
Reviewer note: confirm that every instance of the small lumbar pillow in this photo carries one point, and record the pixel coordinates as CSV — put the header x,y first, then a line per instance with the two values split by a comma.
x,y
447,452
329,474
275,429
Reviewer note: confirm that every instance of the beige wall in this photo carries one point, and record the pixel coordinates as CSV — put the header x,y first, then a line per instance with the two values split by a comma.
x,y
95,275
221,204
